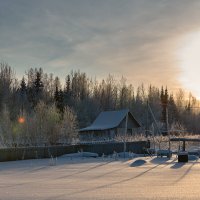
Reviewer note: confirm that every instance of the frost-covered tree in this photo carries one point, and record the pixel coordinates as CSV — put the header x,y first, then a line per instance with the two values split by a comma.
x,y
69,126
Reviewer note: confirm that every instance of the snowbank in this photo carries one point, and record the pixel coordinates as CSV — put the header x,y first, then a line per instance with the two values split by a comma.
x,y
80,154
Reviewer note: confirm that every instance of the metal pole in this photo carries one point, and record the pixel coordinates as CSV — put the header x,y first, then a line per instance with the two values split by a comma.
x,y
154,144
168,131
147,122
125,132
154,118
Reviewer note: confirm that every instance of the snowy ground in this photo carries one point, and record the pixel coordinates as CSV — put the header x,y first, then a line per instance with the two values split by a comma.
x,y
97,178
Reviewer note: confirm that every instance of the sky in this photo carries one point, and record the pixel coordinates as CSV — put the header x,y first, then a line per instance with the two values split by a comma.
x,y
149,41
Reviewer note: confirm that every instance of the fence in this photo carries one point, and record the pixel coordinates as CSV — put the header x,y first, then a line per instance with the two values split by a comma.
x,y
23,153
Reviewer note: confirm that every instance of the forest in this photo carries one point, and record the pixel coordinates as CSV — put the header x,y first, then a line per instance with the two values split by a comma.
x,y
40,110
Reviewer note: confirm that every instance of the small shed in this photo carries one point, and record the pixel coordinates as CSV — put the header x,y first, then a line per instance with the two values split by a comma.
x,y
110,124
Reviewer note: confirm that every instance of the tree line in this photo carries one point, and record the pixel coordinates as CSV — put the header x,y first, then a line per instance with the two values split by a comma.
x,y
53,111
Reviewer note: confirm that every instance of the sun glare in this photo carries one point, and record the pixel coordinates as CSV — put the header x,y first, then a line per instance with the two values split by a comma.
x,y
21,120
189,63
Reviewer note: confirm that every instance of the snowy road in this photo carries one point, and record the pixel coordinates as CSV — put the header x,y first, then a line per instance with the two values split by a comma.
x,y
95,178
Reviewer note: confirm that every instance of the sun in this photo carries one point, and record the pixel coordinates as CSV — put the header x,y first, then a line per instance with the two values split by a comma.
x,y
189,62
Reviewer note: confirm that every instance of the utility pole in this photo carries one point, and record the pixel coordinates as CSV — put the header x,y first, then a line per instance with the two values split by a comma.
x,y
125,132
154,119
147,122
168,132
154,144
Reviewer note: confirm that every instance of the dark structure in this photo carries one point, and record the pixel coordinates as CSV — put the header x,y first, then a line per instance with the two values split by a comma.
x,y
110,124
24,153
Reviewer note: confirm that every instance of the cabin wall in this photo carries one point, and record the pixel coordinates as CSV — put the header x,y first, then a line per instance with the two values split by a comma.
x,y
130,123
108,134
132,126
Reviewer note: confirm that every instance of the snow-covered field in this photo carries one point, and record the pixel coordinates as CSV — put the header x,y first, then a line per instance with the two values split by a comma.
x,y
97,178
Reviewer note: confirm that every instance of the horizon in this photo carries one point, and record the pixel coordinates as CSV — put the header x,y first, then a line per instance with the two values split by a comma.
x,y
117,81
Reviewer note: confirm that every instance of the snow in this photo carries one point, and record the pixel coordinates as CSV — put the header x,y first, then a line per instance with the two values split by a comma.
x,y
81,154
99,178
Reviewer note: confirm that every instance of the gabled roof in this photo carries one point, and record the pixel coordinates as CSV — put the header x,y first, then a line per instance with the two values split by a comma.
x,y
108,120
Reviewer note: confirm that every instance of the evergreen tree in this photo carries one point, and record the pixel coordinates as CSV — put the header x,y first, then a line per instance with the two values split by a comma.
x,y
172,110
68,85
164,105
67,91
56,94
59,99
23,88
38,85
35,90
60,103
23,93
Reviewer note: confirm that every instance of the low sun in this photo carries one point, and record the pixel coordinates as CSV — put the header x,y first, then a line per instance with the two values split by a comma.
x,y
189,63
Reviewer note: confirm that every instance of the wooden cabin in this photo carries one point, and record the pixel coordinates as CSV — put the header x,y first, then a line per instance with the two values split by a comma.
x,y
110,124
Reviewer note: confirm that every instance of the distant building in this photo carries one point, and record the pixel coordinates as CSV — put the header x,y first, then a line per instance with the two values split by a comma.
x,y
110,124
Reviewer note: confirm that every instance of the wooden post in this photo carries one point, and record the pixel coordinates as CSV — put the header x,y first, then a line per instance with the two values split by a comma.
x,y
183,145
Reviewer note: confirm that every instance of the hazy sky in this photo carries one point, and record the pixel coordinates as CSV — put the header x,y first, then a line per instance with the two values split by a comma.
x,y
139,39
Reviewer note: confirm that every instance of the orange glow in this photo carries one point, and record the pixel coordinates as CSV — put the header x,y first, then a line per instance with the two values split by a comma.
x,y
188,57
21,120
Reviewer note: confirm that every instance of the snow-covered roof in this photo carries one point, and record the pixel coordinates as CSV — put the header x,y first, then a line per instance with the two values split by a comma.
x,y
108,120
